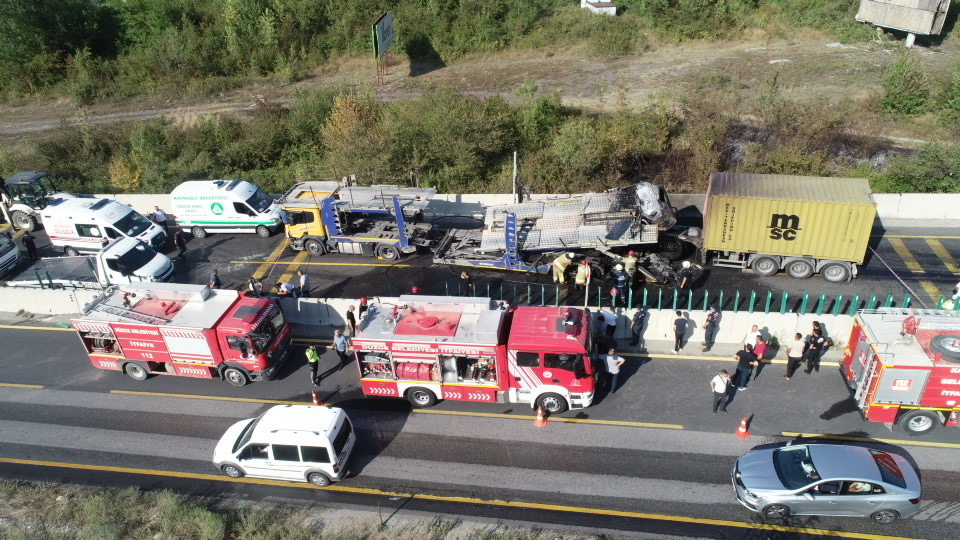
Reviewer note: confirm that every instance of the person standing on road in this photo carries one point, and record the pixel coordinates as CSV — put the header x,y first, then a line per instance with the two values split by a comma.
x,y
794,355
609,320
745,362
304,283
614,362
686,276
719,387
751,337
180,243
582,276
351,328
363,307
560,265
636,327
30,244
340,344
313,360
214,281
160,217
679,330
620,283
814,348
710,327
759,351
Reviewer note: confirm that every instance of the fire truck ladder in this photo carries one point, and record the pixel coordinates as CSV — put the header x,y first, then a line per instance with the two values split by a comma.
x,y
130,314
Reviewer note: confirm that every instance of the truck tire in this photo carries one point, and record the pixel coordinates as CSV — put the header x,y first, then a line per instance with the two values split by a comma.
x,y
235,376
800,269
318,479
835,272
23,221
313,247
671,248
552,403
388,253
198,232
136,371
70,252
918,422
765,266
421,398
948,346
263,232
232,471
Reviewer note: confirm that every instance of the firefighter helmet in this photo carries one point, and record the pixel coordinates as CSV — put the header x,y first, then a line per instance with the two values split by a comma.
x,y
570,255
631,253
618,267
686,264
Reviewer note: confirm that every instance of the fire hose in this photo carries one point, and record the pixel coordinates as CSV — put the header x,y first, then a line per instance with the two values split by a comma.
x,y
902,282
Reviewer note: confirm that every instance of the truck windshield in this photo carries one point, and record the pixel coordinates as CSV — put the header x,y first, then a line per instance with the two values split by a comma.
x,y
259,201
136,258
263,336
132,224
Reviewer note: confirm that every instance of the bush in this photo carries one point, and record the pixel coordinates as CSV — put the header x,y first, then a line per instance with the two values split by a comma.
x,y
905,86
932,169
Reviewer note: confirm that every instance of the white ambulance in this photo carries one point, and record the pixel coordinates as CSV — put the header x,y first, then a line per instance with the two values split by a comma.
x,y
80,225
300,443
205,206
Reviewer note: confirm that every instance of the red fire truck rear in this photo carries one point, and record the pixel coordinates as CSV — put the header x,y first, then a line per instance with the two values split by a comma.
x,y
903,367
186,330
426,348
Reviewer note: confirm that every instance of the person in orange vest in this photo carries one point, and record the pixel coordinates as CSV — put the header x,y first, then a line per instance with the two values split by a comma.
x,y
560,265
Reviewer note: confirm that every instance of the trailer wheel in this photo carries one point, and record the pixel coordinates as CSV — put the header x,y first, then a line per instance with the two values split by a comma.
x,y
917,422
552,403
198,232
835,272
235,377
388,253
232,471
23,221
313,247
262,231
765,266
70,251
421,398
671,248
799,269
319,479
135,372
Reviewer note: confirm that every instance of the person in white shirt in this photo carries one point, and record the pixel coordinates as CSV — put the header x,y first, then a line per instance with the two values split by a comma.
x,y
794,355
719,386
160,217
613,362
610,319
956,292
751,337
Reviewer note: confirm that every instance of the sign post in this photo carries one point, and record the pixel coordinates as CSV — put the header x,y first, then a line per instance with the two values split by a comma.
x,y
382,38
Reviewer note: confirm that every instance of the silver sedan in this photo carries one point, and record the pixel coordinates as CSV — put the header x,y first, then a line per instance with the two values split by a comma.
x,y
827,480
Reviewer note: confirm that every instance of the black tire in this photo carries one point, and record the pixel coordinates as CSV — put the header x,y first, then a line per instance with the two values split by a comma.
x,y
421,398
235,376
948,346
318,479
23,221
885,517
552,403
671,248
776,511
765,266
313,247
835,272
136,372
918,422
800,269
263,231
232,471
70,252
388,253
198,232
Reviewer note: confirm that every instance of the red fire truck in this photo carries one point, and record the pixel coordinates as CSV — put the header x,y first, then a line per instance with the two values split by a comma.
x,y
186,330
903,367
426,348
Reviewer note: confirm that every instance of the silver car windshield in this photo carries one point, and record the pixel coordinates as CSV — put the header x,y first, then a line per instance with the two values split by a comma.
x,y
794,466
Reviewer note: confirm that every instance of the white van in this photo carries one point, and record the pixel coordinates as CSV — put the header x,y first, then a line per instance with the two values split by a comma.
x,y
202,206
80,225
301,443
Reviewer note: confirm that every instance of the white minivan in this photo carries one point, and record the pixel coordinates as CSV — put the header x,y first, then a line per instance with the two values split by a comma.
x,y
80,225
205,206
300,443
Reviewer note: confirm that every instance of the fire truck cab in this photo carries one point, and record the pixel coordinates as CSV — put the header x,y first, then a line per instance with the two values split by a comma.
x,y
186,330
429,348
903,367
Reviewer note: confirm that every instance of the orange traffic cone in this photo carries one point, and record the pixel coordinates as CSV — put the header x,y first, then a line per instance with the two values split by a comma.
x,y
316,401
742,430
541,418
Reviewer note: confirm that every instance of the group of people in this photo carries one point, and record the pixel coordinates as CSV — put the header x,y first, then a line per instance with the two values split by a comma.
x,y
342,341
299,289
623,275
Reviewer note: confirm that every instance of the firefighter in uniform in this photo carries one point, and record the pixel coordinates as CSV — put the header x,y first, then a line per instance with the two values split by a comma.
x,y
583,275
560,265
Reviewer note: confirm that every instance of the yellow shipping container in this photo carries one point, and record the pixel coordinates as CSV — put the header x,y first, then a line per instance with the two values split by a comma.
x,y
792,216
